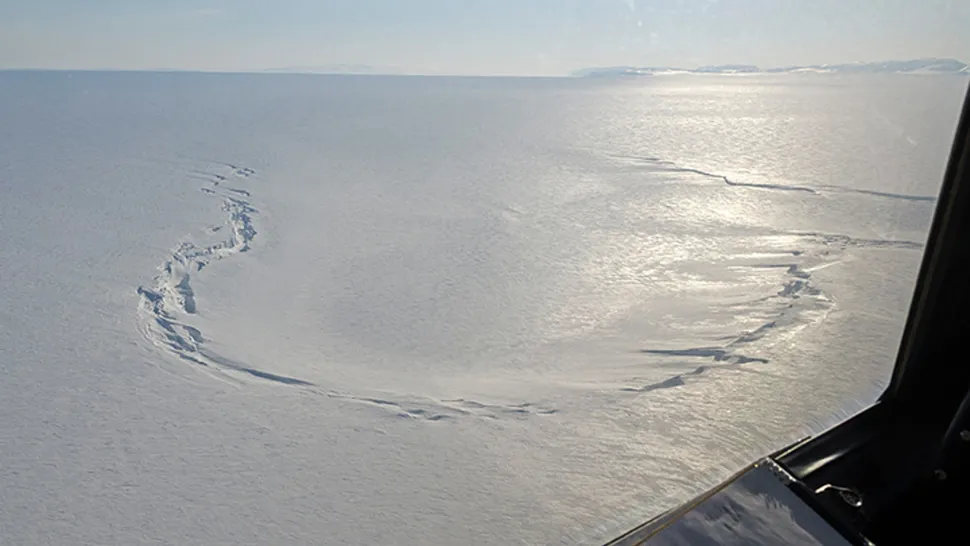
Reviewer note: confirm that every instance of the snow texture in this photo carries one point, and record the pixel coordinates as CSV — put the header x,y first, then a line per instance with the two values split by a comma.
x,y
282,309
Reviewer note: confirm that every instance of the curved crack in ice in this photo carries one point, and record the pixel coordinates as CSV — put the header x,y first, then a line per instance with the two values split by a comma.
x,y
797,289
171,296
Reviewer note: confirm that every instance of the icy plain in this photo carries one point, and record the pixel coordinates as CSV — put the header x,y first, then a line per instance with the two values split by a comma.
x,y
293,309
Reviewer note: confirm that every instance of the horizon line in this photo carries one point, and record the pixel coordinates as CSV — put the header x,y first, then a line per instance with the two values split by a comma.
x,y
323,70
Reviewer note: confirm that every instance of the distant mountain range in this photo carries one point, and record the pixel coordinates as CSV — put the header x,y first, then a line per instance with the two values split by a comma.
x,y
914,66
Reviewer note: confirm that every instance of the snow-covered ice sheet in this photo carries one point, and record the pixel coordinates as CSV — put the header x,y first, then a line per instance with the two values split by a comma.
x,y
259,309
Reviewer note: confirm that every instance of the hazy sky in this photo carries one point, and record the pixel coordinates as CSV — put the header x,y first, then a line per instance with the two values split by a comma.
x,y
474,36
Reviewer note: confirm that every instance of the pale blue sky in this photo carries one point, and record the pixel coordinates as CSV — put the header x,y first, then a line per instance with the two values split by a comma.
x,y
474,36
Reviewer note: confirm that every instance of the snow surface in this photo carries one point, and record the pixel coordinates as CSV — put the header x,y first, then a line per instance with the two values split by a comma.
x,y
258,309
